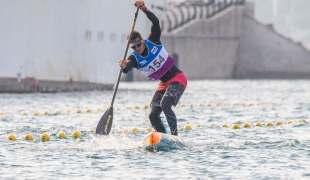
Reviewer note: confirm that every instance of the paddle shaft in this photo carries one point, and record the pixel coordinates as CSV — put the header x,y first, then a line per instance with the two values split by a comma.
x,y
125,55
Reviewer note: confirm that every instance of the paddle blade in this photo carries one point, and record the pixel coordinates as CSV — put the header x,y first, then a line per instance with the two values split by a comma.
x,y
105,124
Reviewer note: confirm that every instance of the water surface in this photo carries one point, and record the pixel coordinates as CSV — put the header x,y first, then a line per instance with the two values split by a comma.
x,y
277,152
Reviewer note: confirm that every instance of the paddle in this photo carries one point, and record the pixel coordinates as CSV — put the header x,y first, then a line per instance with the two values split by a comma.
x,y
105,124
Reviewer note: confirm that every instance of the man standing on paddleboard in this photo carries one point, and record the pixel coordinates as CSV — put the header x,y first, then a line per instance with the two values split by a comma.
x,y
150,57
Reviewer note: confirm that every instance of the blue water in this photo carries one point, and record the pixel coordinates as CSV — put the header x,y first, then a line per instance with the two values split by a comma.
x,y
213,152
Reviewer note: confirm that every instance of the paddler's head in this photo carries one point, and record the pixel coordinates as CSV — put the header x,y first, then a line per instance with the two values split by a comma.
x,y
136,42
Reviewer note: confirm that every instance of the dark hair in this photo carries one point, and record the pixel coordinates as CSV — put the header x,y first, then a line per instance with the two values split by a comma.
x,y
134,36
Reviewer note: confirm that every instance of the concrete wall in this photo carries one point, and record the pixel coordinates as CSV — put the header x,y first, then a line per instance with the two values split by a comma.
x,y
263,53
207,48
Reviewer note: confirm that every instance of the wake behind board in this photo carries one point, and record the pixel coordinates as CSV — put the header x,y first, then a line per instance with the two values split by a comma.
x,y
161,141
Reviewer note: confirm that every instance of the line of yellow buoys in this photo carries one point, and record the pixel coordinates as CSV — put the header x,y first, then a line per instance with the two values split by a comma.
x,y
136,107
46,137
248,125
77,134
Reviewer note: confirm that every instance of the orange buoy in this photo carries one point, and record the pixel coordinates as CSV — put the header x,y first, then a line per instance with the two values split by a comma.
x,y
224,125
45,137
11,137
28,137
269,124
235,126
146,106
278,123
149,129
188,127
258,124
300,121
246,125
76,134
153,138
212,124
289,122
198,125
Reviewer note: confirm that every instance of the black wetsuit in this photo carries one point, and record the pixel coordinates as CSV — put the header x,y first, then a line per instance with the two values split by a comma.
x,y
160,101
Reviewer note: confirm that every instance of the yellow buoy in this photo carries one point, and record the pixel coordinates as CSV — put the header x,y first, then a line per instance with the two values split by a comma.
x,y
224,125
250,104
1,113
212,124
11,137
218,104
209,104
45,113
309,121
99,110
122,131
289,122
135,130
36,114
235,126
198,125
78,111
199,104
137,107
68,111
24,113
300,121
92,131
188,127
128,107
149,129
182,105
61,135
45,137
269,124
258,124
57,112
117,108
146,106
246,125
191,105
279,123
28,137
76,134
88,111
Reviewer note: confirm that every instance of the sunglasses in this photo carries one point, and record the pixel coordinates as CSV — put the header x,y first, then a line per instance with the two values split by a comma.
x,y
136,46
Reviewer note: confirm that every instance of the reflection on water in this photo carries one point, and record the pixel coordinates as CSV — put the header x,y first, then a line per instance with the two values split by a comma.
x,y
278,151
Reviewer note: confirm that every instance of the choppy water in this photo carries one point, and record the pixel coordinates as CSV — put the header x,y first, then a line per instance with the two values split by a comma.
x,y
278,152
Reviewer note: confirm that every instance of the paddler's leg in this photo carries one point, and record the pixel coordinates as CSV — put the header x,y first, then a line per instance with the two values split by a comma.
x,y
155,112
166,105
171,98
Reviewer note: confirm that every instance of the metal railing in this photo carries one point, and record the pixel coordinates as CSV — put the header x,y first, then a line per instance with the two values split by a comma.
x,y
177,15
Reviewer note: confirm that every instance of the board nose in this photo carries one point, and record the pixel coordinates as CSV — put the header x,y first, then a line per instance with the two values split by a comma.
x,y
153,138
